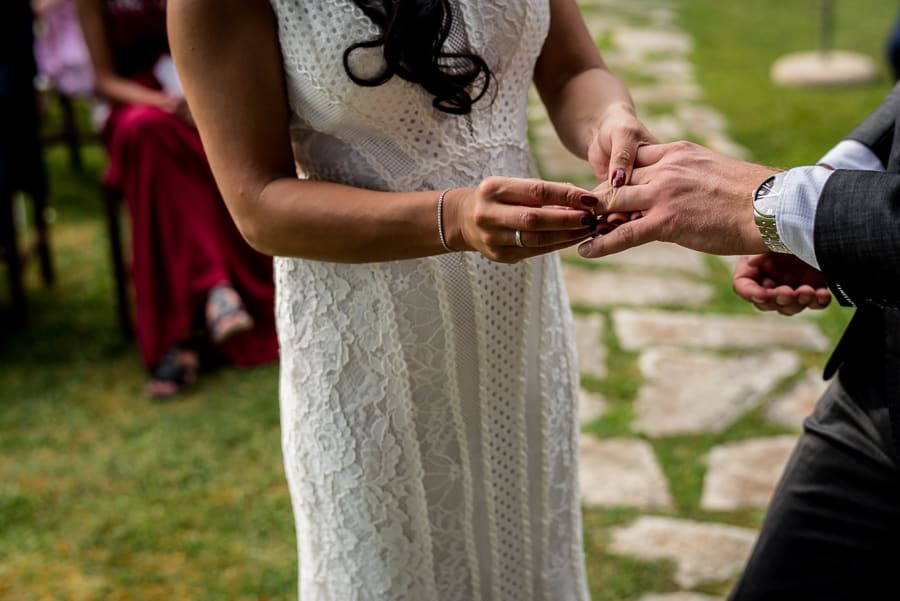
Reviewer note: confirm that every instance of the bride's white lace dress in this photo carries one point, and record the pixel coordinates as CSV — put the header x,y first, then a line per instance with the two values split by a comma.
x,y
428,406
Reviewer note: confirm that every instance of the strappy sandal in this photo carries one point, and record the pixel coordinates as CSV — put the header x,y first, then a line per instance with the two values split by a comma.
x,y
225,314
177,370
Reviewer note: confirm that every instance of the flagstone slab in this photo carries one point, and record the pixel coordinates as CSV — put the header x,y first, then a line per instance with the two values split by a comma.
x,y
654,256
794,405
557,162
701,118
725,145
665,92
621,472
642,41
744,474
674,68
589,345
666,127
692,392
590,406
702,552
603,288
678,597
640,329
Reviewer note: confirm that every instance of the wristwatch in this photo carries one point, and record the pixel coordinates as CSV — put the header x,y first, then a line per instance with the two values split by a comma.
x,y
765,205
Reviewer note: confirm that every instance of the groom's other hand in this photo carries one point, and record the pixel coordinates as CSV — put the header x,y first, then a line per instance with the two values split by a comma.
x,y
686,194
780,282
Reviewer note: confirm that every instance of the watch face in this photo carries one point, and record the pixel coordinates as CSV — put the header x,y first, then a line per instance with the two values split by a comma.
x,y
766,187
766,198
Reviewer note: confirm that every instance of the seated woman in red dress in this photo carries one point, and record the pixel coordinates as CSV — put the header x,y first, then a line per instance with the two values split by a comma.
x,y
197,283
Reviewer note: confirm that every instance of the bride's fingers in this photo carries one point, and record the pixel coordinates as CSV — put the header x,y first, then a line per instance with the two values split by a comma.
x,y
542,219
536,193
534,239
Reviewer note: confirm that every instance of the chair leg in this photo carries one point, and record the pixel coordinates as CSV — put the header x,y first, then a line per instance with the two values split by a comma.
x,y
70,133
42,230
13,260
112,199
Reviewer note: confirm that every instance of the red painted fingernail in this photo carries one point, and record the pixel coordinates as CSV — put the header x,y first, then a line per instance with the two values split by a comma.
x,y
618,178
589,201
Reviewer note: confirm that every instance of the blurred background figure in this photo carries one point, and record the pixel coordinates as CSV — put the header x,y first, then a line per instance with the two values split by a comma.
x,y
200,291
22,166
893,48
59,48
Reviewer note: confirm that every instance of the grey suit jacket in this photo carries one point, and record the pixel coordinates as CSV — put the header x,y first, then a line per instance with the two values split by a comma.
x,y
857,244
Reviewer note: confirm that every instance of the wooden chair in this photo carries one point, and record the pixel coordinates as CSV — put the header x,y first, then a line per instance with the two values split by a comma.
x,y
22,168
67,133
24,172
113,201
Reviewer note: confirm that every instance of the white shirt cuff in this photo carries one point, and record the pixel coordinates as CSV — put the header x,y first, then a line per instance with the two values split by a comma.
x,y
795,216
850,154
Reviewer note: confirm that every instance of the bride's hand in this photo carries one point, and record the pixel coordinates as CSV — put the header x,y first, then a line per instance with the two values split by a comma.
x,y
614,144
509,219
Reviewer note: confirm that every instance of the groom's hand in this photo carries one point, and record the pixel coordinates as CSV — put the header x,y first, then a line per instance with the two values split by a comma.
x,y
780,282
686,194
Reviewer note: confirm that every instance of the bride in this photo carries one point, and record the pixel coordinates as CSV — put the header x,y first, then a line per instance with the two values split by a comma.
x,y
428,377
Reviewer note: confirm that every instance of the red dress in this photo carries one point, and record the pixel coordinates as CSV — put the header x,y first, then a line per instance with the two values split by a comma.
x,y
184,241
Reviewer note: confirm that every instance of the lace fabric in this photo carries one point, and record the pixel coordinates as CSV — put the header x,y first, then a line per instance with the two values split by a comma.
x,y
429,421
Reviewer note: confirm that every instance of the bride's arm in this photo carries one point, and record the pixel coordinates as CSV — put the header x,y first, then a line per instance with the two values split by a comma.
x,y
228,57
590,109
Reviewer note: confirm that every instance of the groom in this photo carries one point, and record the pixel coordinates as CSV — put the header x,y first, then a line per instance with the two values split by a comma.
x,y
833,527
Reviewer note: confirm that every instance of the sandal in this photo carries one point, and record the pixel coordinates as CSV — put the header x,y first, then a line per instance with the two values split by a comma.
x,y
176,370
225,314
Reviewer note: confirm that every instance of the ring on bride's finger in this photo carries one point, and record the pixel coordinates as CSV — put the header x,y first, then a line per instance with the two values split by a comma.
x,y
519,239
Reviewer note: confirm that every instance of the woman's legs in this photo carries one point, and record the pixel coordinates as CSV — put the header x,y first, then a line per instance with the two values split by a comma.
x,y
188,260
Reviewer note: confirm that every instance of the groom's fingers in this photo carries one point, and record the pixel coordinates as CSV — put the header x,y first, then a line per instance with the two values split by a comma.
x,y
627,235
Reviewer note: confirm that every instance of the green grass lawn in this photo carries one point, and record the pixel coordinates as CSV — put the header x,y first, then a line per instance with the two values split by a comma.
x,y
105,495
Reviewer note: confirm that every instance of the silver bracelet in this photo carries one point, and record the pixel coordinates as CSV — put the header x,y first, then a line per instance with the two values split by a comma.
x,y
440,221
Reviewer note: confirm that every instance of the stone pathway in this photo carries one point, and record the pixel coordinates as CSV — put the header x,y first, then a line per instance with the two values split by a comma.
x,y
694,373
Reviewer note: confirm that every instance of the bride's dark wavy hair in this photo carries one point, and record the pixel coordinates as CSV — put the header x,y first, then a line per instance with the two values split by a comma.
x,y
413,33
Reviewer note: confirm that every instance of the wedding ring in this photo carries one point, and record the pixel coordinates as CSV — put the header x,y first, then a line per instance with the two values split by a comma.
x,y
519,239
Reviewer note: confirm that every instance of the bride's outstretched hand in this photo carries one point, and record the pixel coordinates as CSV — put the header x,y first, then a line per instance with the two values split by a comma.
x,y
510,219
780,282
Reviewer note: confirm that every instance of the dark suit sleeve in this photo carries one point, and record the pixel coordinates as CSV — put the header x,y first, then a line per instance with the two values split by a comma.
x,y
857,230
877,131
